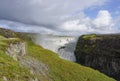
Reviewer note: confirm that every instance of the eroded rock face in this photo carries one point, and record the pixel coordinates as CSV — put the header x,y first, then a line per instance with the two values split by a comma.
x,y
100,52
16,49
38,69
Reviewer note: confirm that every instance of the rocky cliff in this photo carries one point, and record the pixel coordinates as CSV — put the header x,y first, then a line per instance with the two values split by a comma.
x,y
101,52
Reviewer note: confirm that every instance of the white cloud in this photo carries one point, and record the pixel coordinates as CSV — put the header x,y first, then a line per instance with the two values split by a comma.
x,y
23,27
103,23
73,26
55,16
47,13
103,20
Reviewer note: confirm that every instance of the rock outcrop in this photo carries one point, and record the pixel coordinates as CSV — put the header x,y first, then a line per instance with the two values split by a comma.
x,y
37,68
18,51
101,52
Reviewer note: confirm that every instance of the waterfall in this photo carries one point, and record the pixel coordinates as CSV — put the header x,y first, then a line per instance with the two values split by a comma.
x,y
64,46
67,51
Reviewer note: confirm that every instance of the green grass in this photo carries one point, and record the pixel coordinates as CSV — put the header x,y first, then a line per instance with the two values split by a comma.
x,y
88,36
59,69
62,70
4,42
10,68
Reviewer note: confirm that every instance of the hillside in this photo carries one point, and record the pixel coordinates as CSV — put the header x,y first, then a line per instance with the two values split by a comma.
x,y
101,52
23,60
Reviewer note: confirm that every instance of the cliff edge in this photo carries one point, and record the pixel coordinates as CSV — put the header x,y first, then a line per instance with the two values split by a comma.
x,y
101,52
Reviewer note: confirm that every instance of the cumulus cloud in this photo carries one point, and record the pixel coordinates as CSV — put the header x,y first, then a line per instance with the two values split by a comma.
x,y
74,26
103,20
103,23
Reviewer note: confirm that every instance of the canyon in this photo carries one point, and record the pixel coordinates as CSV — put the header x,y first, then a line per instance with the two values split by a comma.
x,y
64,46
24,58
100,52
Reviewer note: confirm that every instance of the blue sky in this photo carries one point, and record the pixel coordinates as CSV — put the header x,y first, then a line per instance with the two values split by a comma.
x,y
68,17
113,6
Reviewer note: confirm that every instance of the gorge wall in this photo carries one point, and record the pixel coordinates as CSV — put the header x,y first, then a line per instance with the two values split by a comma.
x,y
101,52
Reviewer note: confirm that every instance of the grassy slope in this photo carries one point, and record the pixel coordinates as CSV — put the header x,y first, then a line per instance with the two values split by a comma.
x,y
62,70
10,68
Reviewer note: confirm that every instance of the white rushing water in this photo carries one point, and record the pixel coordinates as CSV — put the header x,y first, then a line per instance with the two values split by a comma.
x,y
64,46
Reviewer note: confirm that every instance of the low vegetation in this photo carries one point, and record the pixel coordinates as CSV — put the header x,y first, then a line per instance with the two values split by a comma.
x,y
10,69
62,70
88,36
59,69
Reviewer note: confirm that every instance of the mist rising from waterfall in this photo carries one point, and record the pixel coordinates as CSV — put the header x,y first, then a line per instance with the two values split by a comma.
x,y
64,46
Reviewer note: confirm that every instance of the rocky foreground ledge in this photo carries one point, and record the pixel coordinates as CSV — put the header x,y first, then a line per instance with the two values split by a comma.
x,y
101,52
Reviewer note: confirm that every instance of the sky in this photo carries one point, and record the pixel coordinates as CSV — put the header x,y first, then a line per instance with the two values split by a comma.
x,y
63,17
